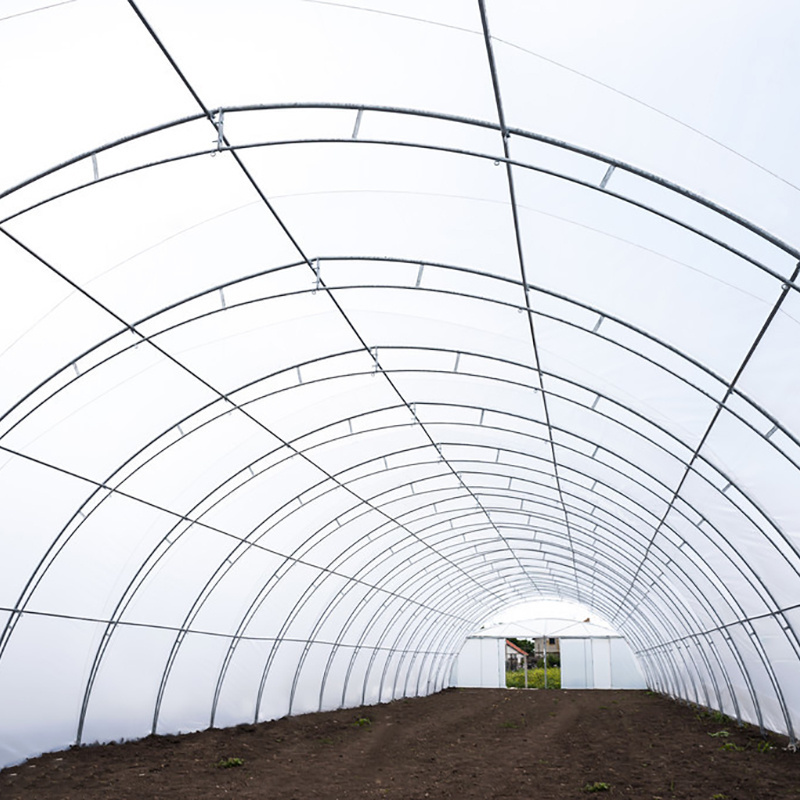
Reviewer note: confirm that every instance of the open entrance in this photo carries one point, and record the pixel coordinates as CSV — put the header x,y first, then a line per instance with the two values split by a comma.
x,y
533,663
547,645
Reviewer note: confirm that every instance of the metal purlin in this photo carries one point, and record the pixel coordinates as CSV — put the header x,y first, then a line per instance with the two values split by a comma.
x,y
376,622
742,367
222,139
600,158
650,360
674,374
761,266
15,616
521,262
721,404
610,542
591,186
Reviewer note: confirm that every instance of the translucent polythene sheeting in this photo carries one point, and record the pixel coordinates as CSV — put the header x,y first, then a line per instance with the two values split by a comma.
x,y
327,330
677,113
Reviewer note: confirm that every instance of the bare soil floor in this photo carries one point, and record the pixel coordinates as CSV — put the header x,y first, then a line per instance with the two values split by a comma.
x,y
461,743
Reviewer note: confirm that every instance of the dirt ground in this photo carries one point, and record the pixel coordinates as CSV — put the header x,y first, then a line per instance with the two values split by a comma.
x,y
461,743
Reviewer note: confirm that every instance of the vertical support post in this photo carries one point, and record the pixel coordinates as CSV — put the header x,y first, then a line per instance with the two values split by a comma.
x,y
525,666
544,650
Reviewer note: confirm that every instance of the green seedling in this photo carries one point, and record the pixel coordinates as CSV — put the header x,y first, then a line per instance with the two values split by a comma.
x,y
597,786
363,722
719,796
508,724
226,763
731,746
765,746
724,734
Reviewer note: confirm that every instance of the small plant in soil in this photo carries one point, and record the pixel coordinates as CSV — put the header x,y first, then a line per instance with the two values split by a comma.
x,y
765,746
723,734
731,746
719,796
363,722
597,786
509,724
226,763
718,716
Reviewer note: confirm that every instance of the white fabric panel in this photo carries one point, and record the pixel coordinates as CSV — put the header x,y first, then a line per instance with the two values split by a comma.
x,y
46,326
237,698
194,218
481,663
309,607
575,657
461,231
176,574
105,550
115,100
780,645
754,663
255,331
41,700
233,585
374,680
774,524
632,382
619,280
331,687
138,654
277,599
675,112
239,515
731,661
178,476
601,663
95,423
31,526
305,698
358,666
283,658
717,684
404,69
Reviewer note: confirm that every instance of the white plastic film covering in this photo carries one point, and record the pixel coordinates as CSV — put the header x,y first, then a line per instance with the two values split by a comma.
x,y
329,328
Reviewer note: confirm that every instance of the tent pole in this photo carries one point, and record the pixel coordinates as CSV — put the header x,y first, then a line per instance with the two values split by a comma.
x,y
525,663
544,651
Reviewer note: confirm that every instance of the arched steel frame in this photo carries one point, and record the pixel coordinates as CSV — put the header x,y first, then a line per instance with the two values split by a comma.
x,y
587,476
655,649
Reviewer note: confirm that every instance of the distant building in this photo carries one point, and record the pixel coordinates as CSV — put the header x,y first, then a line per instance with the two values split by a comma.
x,y
515,657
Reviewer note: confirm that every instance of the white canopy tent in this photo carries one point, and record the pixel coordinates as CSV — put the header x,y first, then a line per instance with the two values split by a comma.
x,y
592,655
330,328
547,627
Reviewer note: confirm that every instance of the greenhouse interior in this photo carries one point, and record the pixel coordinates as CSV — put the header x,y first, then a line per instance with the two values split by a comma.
x,y
331,329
